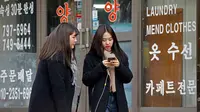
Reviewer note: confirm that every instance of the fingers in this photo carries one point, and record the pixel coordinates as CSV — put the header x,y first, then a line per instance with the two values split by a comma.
x,y
107,63
112,63
115,63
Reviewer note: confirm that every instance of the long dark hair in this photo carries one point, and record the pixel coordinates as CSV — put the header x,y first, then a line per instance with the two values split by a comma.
x,y
97,46
58,41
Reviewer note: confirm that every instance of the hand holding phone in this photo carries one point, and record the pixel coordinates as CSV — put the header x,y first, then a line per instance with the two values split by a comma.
x,y
107,63
114,62
110,59
111,62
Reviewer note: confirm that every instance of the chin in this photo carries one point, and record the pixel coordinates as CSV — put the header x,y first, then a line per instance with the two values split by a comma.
x,y
108,50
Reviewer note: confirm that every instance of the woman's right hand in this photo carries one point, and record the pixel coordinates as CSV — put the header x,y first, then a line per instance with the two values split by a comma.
x,y
107,64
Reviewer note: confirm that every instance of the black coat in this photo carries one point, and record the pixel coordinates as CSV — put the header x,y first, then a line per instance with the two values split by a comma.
x,y
94,76
52,90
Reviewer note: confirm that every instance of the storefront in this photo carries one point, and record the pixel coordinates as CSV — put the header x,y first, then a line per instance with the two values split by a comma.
x,y
169,62
159,36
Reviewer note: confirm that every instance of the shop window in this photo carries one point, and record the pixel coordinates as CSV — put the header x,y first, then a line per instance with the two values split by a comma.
x,y
104,12
17,52
54,19
169,54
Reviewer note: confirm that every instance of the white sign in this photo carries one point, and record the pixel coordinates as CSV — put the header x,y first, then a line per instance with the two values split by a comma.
x,y
16,75
94,15
160,87
172,50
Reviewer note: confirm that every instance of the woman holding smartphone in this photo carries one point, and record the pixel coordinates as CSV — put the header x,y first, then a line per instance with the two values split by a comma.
x,y
105,70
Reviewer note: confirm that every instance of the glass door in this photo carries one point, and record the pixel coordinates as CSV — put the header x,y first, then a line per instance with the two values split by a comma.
x,y
34,20
72,11
118,14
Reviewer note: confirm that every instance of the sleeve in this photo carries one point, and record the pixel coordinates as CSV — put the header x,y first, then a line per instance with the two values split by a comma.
x,y
91,74
57,70
123,72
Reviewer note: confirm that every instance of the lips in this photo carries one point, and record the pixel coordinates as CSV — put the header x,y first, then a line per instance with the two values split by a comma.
x,y
107,46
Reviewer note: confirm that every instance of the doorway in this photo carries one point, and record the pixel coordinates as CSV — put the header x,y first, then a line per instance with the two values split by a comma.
x,y
78,17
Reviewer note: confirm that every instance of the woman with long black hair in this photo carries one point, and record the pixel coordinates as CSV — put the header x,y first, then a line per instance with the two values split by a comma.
x,y
105,71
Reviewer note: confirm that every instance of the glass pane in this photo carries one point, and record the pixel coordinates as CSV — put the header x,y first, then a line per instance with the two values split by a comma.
x,y
54,19
17,52
126,47
169,54
80,54
122,22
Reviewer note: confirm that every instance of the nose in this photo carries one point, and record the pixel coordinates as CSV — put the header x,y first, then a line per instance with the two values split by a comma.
x,y
75,40
107,42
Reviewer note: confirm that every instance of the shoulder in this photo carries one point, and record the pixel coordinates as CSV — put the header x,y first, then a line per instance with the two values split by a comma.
x,y
92,56
58,57
92,59
58,62
124,58
42,64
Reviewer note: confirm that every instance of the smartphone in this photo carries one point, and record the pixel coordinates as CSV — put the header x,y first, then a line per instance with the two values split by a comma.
x,y
111,58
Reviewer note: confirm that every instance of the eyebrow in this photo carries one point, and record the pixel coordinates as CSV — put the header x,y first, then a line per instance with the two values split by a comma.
x,y
106,37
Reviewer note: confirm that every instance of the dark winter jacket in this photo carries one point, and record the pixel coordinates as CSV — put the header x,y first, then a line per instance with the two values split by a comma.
x,y
94,76
52,90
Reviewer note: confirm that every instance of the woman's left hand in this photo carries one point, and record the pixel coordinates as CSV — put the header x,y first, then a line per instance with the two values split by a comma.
x,y
115,62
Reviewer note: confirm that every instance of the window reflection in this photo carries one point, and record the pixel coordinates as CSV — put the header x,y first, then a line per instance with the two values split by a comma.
x,y
123,21
126,47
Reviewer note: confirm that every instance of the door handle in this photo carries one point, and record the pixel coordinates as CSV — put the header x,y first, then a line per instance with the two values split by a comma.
x,y
81,38
87,37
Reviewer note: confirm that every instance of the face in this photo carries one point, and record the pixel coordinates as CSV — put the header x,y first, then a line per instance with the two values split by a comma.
x,y
107,41
72,40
